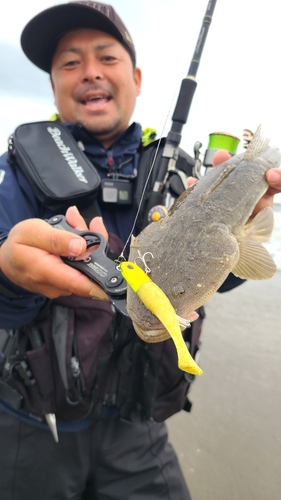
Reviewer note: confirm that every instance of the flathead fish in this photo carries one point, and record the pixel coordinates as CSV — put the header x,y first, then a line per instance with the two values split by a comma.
x,y
205,236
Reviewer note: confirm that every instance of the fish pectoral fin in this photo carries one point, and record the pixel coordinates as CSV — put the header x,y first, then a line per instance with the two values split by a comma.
x,y
261,226
255,262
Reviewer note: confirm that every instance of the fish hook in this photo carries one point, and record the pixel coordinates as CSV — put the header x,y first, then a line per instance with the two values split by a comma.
x,y
142,258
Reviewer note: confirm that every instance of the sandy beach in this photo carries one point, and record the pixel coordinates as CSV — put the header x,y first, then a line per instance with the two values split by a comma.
x,y
229,446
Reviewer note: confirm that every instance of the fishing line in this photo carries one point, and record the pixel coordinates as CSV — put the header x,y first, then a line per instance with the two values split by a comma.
x,y
121,256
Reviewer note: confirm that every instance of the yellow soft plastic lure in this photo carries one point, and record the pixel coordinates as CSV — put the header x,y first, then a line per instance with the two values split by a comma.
x,y
158,303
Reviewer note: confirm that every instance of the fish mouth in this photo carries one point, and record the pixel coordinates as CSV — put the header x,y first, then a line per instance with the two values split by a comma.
x,y
151,336
149,331
156,332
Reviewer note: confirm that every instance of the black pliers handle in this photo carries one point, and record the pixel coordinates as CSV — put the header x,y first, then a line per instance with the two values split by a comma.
x,y
97,266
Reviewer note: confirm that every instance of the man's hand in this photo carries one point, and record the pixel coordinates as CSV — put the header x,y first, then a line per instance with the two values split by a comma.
x,y
30,257
219,157
272,176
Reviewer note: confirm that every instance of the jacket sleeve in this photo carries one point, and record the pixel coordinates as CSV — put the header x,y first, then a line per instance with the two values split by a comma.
x,y
230,283
17,203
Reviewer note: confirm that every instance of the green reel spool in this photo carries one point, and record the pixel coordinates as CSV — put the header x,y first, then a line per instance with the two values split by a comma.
x,y
220,140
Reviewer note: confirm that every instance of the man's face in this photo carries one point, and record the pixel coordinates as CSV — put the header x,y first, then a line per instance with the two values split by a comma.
x,y
94,83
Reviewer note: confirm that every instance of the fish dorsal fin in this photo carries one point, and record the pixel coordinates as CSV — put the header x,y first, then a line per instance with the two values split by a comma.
x,y
256,146
255,262
261,226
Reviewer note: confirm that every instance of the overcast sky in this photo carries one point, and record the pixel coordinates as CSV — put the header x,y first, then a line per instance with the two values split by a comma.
x,y
238,82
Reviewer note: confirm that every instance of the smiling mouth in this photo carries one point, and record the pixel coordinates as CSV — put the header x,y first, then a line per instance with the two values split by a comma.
x,y
96,101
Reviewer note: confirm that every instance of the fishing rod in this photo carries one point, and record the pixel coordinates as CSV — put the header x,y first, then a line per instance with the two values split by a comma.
x,y
179,118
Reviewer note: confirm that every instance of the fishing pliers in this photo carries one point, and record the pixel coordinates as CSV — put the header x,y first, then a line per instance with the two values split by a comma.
x,y
98,267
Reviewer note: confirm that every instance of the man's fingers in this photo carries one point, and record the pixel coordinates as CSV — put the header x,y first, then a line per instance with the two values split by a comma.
x,y
220,156
273,178
30,258
98,226
97,293
190,181
41,272
39,234
75,219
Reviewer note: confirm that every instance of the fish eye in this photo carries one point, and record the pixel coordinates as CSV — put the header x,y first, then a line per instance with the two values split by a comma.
x,y
129,266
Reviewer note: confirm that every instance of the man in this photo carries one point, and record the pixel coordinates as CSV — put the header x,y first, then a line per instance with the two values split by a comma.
x,y
109,390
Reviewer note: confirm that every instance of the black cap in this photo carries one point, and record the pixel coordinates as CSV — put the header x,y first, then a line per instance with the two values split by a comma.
x,y
41,34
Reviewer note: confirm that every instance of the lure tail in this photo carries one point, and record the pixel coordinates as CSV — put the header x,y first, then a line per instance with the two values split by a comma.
x,y
158,303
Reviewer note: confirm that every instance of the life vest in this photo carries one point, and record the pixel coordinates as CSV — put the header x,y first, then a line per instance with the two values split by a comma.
x,y
79,358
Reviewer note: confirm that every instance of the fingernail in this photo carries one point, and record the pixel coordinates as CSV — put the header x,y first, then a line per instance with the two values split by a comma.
x,y
74,208
98,294
274,178
76,246
190,181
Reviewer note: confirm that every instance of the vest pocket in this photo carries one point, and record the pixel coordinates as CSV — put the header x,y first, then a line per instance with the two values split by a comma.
x,y
43,388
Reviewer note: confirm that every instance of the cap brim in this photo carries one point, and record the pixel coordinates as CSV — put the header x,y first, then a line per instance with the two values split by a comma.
x,y
40,35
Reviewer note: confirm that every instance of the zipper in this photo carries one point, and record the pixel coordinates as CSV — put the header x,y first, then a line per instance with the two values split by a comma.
x,y
77,373
110,396
78,380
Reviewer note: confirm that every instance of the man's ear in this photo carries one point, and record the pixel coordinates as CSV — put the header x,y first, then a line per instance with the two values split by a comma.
x,y
138,80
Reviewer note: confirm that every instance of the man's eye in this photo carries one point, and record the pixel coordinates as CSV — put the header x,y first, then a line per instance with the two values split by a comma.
x,y
109,58
70,63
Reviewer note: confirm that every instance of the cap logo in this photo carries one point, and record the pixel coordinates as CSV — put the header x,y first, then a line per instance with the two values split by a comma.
x,y
128,37
104,9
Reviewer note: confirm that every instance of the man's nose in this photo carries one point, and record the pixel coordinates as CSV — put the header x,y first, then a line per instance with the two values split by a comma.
x,y
92,71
